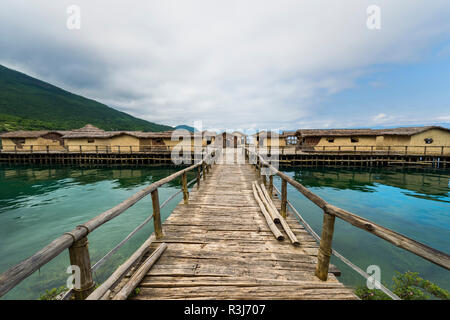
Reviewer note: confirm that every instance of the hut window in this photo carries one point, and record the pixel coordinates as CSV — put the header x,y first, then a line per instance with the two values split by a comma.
x,y
91,140
428,140
354,140
330,140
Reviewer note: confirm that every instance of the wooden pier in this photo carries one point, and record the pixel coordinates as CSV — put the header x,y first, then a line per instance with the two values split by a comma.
x,y
220,247
218,244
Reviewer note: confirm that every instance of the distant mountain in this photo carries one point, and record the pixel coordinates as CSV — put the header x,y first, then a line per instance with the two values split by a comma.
x,y
186,127
27,103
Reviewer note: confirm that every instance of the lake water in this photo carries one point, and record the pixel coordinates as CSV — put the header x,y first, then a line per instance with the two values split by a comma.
x,y
412,202
39,204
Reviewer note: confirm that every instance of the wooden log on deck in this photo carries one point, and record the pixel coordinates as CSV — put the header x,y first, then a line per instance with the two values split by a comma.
x,y
278,235
271,207
121,271
140,273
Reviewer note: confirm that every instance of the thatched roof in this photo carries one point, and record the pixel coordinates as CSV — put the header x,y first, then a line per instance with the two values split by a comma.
x,y
29,134
268,134
403,131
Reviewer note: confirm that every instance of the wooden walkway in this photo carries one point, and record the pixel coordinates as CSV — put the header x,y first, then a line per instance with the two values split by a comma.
x,y
220,247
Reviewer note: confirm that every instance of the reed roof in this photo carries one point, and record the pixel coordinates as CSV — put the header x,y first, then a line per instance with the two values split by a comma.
x,y
403,131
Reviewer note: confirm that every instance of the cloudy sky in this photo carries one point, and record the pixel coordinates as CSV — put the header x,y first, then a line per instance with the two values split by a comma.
x,y
242,64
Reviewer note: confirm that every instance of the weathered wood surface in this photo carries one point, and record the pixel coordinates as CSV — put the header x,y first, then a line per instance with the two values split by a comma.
x,y
220,247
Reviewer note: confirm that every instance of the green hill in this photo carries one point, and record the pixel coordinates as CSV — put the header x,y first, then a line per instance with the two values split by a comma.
x,y
27,103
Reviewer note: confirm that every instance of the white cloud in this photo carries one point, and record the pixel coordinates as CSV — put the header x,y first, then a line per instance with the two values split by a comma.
x,y
229,63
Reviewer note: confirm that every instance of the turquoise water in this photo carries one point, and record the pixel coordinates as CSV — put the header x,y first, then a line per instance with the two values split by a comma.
x,y
39,204
414,203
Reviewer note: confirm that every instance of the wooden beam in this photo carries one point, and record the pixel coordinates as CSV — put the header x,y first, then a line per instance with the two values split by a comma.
x,y
185,188
277,234
140,273
324,254
283,210
79,256
156,214
121,270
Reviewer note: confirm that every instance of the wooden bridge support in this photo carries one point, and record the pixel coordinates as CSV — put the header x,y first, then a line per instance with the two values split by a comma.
x,y
156,214
185,188
79,256
324,254
283,198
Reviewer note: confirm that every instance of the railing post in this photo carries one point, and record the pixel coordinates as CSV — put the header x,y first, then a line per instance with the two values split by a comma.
x,y
204,171
185,188
48,149
389,150
81,150
96,149
425,150
406,150
324,254
31,149
79,256
442,150
270,185
283,197
199,170
156,214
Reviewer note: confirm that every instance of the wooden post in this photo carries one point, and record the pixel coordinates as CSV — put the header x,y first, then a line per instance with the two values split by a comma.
x,y
324,254
48,149
204,171
96,149
425,150
283,198
442,150
270,186
156,214
31,149
199,170
79,256
185,188
406,150
389,150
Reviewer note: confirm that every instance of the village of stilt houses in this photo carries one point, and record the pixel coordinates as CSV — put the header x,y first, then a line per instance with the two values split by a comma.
x,y
246,152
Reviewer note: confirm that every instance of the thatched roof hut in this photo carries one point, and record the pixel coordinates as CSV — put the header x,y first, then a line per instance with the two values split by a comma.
x,y
403,131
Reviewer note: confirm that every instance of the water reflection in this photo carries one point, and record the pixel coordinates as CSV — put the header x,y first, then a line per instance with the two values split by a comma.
x,y
20,183
424,184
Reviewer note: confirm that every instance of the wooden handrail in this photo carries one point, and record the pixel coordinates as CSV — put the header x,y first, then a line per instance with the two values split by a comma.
x,y
435,256
16,274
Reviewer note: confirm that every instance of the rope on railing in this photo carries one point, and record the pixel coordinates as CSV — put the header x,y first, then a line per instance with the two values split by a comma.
x,y
337,254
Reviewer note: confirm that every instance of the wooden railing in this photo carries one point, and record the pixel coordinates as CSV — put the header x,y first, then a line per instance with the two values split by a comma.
x,y
90,148
331,212
77,243
428,150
